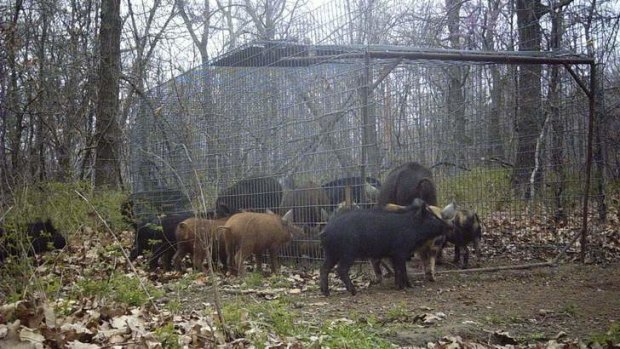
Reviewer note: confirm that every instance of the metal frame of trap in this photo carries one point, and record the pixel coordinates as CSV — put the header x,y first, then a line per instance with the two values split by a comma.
x,y
399,54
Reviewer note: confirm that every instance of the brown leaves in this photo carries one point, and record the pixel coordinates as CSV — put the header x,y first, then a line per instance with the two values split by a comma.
x,y
537,236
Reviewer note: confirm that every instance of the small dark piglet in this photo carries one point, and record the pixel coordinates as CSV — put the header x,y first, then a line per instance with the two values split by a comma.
x,y
158,236
42,237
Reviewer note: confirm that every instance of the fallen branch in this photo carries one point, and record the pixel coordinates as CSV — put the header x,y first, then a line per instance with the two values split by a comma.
x,y
492,269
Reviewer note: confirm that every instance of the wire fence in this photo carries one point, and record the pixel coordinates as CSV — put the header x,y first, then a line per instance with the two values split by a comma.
x,y
307,114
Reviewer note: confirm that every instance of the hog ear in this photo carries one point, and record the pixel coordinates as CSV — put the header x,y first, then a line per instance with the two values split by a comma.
x,y
288,216
449,212
183,225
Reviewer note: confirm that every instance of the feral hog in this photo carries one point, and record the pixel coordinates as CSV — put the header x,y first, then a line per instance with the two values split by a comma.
x,y
200,238
253,194
402,186
429,253
308,203
362,192
158,236
467,228
39,237
375,234
407,182
249,233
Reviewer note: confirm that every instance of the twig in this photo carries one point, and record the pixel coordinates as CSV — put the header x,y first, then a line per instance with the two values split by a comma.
x,y
122,249
216,294
5,213
492,269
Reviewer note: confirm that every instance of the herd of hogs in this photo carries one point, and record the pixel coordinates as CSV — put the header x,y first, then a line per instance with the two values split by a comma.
x,y
350,219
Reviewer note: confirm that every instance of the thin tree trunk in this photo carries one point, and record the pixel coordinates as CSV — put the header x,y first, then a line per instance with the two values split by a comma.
x,y
456,97
107,136
557,124
494,134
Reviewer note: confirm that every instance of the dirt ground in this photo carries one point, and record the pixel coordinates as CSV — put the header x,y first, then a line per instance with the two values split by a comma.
x,y
577,299
531,305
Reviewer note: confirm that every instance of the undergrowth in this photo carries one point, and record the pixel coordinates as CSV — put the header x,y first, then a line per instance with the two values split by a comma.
x,y
71,215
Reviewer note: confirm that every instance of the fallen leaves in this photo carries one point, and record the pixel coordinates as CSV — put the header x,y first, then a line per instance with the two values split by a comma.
x,y
79,318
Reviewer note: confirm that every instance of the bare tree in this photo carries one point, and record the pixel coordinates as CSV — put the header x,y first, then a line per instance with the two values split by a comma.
x,y
494,136
456,76
107,162
529,119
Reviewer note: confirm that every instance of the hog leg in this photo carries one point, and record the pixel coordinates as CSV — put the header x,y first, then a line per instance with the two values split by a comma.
x,y
465,256
273,256
401,279
376,266
440,254
198,257
156,253
178,257
239,257
343,272
431,260
428,263
327,266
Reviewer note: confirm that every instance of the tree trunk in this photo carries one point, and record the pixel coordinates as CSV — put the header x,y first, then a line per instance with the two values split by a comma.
x,y
107,133
528,118
494,134
456,95
557,124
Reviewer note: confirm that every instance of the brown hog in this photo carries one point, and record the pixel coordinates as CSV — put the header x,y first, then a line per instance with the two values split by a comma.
x,y
195,236
467,228
308,202
405,183
254,233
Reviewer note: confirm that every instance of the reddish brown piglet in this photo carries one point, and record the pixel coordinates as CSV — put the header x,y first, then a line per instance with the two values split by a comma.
x,y
256,233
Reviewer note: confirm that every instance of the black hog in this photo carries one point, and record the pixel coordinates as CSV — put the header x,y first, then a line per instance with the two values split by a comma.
x,y
158,236
402,186
39,237
375,234
467,229
309,203
431,252
406,183
252,194
362,192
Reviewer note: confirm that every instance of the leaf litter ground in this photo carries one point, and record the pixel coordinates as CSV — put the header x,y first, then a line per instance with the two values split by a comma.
x,y
563,306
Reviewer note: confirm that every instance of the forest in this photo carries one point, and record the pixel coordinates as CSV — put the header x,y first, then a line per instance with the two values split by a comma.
x,y
129,128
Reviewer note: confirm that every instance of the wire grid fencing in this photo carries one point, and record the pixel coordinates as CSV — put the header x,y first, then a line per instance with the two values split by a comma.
x,y
306,114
